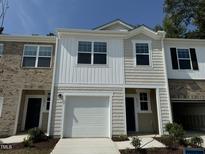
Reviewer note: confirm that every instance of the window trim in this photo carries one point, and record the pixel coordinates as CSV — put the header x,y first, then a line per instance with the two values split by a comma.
x,y
37,55
1,54
149,42
148,101
92,53
184,58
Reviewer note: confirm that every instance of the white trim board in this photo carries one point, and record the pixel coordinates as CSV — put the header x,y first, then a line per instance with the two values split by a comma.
x,y
1,105
17,113
52,87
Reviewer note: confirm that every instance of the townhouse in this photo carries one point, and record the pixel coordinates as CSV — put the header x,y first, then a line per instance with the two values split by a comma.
x,y
111,80
26,66
185,61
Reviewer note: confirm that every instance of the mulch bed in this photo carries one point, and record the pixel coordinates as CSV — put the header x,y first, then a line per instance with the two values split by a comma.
x,y
41,145
153,151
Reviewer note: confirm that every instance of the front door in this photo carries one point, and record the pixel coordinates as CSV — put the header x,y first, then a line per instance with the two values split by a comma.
x,y
33,113
130,114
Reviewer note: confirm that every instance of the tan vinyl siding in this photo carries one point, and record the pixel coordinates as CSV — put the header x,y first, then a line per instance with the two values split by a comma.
x,y
44,121
151,124
164,106
145,75
118,118
149,76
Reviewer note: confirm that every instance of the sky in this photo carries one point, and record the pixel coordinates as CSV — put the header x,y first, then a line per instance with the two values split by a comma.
x,y
25,17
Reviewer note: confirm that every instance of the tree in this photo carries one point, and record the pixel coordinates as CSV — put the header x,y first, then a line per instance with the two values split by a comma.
x,y
200,19
158,28
173,29
183,14
3,8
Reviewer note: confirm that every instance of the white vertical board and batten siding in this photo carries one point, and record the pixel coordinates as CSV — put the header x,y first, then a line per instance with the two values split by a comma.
x,y
199,46
153,76
69,72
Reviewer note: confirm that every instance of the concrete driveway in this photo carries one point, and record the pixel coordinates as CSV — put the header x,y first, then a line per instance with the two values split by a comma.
x,y
85,146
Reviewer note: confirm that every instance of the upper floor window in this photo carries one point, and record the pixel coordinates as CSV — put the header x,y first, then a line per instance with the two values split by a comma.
x,y
1,49
37,56
184,59
92,52
142,52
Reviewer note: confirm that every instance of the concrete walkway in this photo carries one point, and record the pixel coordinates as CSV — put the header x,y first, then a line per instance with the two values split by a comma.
x,y
85,146
13,139
147,141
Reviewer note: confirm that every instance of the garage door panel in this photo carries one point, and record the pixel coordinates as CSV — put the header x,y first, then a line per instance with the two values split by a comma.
x,y
86,117
190,114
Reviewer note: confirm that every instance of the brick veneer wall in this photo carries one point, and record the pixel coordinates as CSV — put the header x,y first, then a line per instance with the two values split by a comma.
x,y
14,79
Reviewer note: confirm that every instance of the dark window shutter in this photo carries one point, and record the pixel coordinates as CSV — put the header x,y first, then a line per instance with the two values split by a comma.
x,y
174,58
194,59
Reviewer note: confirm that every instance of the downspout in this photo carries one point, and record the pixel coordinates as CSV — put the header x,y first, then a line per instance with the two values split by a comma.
x,y
166,76
52,87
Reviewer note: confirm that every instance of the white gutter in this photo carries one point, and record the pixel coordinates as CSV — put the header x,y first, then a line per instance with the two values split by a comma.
x,y
186,40
38,39
52,88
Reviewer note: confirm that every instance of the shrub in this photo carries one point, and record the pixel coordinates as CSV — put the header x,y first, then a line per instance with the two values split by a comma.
x,y
27,143
184,142
136,142
36,135
198,141
175,130
169,141
120,138
127,151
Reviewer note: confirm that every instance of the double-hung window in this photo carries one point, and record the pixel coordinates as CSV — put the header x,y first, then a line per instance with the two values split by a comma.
x,y
37,56
184,58
84,52
100,53
92,52
142,53
1,49
144,100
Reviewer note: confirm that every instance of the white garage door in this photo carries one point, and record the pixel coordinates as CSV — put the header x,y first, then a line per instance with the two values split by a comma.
x,y
86,116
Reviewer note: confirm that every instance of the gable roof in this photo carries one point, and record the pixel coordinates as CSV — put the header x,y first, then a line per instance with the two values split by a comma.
x,y
108,29
111,23
147,31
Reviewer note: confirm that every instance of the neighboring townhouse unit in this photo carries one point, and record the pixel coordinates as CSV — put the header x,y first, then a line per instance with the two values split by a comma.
x,y
185,60
108,81
26,64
